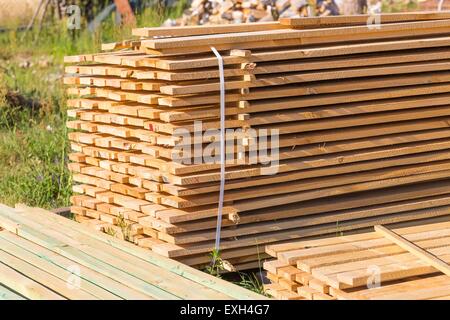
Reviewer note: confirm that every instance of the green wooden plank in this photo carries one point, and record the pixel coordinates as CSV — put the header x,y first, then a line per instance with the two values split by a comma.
x,y
25,286
87,274
8,217
183,270
45,278
165,280
45,264
7,294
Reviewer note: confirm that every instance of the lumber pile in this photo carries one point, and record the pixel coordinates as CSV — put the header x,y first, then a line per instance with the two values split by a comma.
x,y
409,263
362,116
45,256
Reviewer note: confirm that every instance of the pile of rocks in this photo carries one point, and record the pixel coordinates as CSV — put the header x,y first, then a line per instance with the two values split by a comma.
x,y
238,11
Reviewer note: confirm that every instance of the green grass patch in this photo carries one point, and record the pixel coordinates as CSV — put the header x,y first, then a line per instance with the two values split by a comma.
x,y
33,137
33,164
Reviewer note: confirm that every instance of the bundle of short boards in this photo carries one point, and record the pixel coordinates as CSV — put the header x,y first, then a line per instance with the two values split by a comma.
x,y
408,263
361,106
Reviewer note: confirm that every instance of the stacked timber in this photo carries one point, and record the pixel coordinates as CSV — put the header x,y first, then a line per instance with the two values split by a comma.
x,y
357,119
409,263
45,256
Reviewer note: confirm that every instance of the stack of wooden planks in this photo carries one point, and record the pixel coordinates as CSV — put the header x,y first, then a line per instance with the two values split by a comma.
x,y
409,263
45,256
361,112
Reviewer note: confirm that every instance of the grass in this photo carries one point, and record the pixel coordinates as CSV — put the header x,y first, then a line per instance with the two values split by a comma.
x,y
248,280
33,137
33,145
393,6
252,282
216,267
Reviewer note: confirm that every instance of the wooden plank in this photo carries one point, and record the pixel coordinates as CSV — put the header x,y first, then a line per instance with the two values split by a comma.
x,y
281,224
308,264
44,277
411,290
167,264
87,275
343,262
7,294
368,61
389,272
288,34
297,186
104,263
363,18
297,42
25,286
208,29
87,290
208,60
339,69
414,249
288,92
134,59
178,251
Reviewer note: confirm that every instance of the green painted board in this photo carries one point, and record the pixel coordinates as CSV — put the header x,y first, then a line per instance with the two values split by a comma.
x,y
8,294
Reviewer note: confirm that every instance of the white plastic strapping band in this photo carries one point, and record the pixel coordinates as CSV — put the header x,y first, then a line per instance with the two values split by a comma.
x,y
222,147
